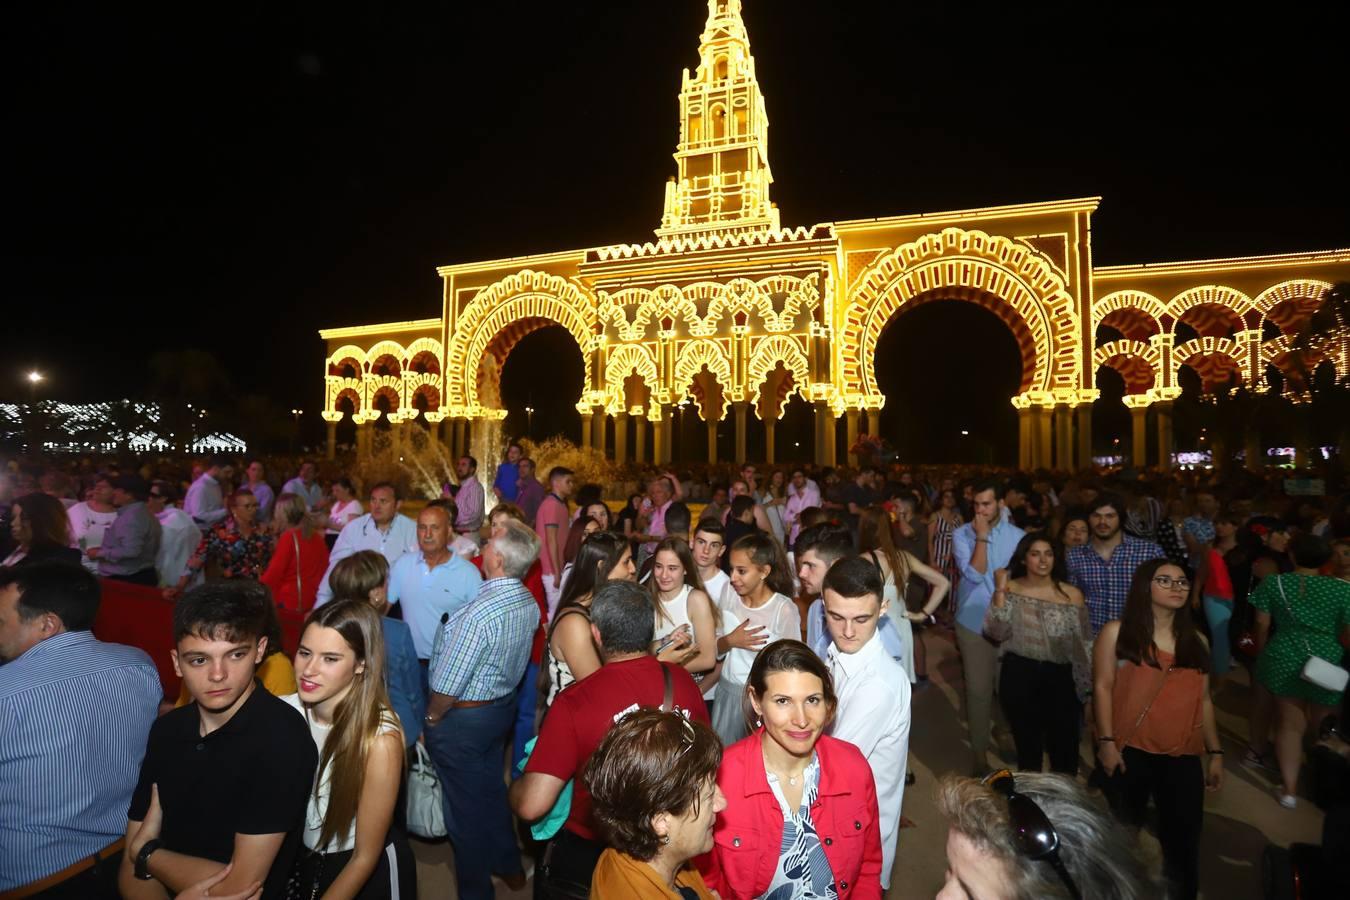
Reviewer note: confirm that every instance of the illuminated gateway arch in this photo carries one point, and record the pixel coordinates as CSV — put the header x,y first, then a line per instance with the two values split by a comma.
x,y
728,309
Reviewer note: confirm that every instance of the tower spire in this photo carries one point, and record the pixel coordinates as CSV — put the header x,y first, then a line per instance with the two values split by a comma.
x,y
723,176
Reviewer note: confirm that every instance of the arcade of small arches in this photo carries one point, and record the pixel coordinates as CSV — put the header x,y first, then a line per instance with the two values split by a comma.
x,y
744,347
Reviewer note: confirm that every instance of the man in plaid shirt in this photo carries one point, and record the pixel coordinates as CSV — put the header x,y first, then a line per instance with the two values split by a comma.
x,y
481,652
1104,567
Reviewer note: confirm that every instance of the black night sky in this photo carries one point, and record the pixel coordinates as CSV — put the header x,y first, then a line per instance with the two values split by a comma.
x,y
234,177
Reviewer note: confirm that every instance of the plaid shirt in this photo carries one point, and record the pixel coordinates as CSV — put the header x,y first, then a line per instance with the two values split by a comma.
x,y
482,649
1105,583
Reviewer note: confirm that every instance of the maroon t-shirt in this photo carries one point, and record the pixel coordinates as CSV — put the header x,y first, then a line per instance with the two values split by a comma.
x,y
582,714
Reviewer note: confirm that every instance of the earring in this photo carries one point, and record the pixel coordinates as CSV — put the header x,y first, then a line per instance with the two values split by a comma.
x,y
665,839
759,722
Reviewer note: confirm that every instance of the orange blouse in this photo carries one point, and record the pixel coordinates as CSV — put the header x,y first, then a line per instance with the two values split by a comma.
x,y
1159,710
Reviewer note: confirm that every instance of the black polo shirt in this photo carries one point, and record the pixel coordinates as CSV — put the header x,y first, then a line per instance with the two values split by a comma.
x,y
251,776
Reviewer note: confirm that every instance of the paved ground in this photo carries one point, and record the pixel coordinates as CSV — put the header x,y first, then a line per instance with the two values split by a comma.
x,y
1239,820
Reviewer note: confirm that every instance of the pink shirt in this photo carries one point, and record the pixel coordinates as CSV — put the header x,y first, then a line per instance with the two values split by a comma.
x,y
552,515
657,526
796,502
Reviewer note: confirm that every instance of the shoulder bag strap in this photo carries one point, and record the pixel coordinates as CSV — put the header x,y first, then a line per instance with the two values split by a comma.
x,y
668,702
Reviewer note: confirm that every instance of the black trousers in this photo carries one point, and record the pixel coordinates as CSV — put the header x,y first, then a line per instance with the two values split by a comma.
x,y
1043,712
395,874
566,869
1176,785
98,882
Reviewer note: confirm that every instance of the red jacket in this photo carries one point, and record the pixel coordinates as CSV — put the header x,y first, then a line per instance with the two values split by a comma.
x,y
749,832
290,591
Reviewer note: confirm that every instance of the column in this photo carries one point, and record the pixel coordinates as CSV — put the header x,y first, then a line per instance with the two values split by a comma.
x,y
1083,414
332,441
586,429
363,440
599,424
1063,437
458,443
1026,442
1255,453
1045,438
639,439
712,442
1164,409
1139,436
740,408
874,422
851,417
621,437
824,422
768,440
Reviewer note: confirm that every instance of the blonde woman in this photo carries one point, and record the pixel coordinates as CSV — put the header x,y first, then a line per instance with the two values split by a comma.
x,y
301,556
352,848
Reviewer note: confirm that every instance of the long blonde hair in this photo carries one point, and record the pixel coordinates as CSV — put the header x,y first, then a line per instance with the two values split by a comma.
x,y
361,716
295,511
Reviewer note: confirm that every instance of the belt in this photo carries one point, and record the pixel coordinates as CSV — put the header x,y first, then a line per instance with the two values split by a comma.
x,y
80,865
474,704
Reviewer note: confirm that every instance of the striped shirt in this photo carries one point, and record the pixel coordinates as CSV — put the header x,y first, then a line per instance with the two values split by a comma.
x,y
74,715
483,648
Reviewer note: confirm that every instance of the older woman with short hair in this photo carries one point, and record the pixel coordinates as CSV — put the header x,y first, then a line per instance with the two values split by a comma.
x,y
654,796
992,853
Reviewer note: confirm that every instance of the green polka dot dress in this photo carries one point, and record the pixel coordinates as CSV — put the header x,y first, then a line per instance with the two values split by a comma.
x,y
1308,617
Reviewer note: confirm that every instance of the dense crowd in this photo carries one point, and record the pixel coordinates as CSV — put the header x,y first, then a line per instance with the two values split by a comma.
x,y
705,687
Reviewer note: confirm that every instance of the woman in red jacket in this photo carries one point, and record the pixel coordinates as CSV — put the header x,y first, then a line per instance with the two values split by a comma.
x,y
300,558
788,785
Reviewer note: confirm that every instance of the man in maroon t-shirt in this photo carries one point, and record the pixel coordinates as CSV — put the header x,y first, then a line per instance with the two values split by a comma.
x,y
622,625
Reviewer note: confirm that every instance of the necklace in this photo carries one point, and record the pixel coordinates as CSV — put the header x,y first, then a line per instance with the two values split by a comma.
x,y
792,780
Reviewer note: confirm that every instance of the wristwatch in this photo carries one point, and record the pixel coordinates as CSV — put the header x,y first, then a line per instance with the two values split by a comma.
x,y
143,859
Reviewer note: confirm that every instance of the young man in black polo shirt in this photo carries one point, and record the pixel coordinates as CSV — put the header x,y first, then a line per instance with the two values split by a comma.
x,y
226,778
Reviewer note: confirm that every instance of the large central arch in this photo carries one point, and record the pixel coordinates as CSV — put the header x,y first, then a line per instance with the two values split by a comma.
x,y
525,296
1011,280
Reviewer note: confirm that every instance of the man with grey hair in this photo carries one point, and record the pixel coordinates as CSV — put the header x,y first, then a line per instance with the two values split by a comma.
x,y
630,678
481,652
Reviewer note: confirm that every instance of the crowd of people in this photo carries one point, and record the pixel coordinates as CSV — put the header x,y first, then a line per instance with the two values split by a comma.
x,y
706,689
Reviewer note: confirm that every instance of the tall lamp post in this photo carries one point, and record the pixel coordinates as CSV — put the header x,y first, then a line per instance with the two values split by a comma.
x,y
529,422
295,416
34,378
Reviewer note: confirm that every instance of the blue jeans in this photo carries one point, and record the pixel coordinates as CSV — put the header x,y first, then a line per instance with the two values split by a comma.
x,y
468,746
1218,613
527,694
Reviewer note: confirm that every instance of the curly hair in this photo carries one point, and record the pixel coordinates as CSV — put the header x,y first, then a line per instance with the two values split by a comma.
x,y
651,762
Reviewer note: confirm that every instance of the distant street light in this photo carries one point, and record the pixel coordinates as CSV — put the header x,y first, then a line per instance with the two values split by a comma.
x,y
529,421
295,416
34,379
964,433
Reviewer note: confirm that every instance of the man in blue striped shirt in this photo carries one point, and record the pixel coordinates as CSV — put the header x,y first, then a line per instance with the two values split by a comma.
x,y
481,651
74,713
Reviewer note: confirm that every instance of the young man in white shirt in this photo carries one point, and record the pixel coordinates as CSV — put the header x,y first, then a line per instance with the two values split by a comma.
x,y
874,694
707,549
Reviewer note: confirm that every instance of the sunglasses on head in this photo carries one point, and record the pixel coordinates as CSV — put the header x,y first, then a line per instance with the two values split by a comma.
x,y
1033,835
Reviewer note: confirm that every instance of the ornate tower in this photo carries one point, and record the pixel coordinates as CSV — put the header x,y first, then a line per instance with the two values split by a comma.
x,y
723,154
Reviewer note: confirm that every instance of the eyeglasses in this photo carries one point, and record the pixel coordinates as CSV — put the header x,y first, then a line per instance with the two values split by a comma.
x,y
1168,583
1033,835
687,733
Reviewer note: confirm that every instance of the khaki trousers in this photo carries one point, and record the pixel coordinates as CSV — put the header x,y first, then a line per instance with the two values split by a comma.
x,y
979,668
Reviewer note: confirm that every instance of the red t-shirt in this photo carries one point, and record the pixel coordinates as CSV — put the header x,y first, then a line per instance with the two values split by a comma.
x,y
583,713
534,583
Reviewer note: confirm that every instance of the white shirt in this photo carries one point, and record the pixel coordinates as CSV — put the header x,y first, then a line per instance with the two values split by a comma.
x,y
204,501
179,536
362,533
342,514
874,716
778,616
86,530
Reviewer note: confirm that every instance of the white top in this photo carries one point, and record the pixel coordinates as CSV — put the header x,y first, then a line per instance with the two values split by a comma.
x,y
874,716
362,533
86,530
676,613
317,808
779,615
341,514
179,536
715,587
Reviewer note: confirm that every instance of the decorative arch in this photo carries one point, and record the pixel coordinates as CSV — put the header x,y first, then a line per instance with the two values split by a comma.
x,y
1010,279
426,349
1213,359
525,295
387,348
347,354
1290,304
1138,363
625,360
1210,309
1131,300
692,359
767,355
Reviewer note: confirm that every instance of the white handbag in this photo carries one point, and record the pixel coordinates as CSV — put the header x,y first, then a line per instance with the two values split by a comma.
x,y
1316,671
426,803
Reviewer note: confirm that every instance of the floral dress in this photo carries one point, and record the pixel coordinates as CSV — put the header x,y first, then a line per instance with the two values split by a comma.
x,y
225,553
803,871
